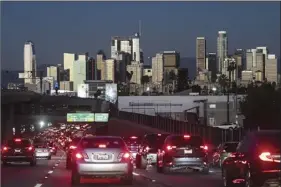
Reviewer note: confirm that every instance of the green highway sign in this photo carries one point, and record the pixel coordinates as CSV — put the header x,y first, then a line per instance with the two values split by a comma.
x,y
101,117
80,117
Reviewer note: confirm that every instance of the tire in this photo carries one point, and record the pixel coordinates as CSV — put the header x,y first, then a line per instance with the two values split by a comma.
x,y
137,161
50,157
75,178
206,170
68,165
166,169
159,169
128,180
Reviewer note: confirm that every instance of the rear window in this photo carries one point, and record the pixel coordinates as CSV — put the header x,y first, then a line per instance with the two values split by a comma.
x,y
180,141
108,142
230,147
156,140
22,143
132,141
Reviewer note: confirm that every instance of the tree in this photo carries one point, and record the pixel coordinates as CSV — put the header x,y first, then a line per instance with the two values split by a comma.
x,y
129,76
223,81
262,107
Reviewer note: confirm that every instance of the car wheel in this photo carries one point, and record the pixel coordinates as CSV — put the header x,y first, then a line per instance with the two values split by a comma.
x,y
137,161
49,158
158,168
206,170
166,169
75,178
32,163
68,166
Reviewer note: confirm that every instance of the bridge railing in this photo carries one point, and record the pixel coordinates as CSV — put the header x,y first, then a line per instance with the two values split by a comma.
x,y
210,134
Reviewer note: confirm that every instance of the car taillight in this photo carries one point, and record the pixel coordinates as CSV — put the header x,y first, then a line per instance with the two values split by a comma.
x,y
169,147
102,146
17,140
72,147
186,136
5,148
124,157
134,137
205,147
30,148
80,156
267,157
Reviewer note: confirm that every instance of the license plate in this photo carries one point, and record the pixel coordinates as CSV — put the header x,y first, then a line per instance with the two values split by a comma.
x,y
102,157
17,150
188,151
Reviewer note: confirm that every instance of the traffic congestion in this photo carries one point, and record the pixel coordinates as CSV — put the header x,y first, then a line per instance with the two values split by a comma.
x,y
71,155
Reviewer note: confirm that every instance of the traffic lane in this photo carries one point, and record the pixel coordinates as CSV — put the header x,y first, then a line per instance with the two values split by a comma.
x,y
183,178
62,177
118,127
23,174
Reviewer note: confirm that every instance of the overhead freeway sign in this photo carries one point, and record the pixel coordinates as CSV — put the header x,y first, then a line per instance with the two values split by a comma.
x,y
87,117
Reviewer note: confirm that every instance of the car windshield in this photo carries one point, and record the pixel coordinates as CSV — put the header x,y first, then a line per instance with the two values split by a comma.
x,y
230,147
104,142
181,141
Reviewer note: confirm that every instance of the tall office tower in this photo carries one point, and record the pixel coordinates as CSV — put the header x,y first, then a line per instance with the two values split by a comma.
x,y
271,68
108,70
222,50
79,71
239,59
136,48
171,60
91,69
200,54
120,44
53,72
158,68
100,59
29,58
121,63
68,63
255,62
137,69
211,65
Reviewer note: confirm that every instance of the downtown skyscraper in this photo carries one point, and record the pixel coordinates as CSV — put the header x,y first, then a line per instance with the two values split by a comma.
x,y
222,50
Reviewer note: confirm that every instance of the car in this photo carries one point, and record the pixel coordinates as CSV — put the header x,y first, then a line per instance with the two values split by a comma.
x,y
256,161
102,157
148,149
18,150
183,152
53,148
42,151
223,151
72,146
133,143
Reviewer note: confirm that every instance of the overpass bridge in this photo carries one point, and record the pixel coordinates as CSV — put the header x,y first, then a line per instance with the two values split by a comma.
x,y
24,107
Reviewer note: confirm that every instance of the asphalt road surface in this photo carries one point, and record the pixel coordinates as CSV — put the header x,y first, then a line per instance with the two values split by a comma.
x,y
52,173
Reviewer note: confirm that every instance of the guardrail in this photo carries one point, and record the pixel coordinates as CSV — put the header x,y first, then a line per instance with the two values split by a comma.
x,y
210,134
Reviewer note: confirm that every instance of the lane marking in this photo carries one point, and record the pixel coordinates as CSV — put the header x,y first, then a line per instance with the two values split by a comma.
x,y
38,185
50,172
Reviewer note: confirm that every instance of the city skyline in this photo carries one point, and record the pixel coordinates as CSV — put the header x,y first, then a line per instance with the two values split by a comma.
x,y
155,38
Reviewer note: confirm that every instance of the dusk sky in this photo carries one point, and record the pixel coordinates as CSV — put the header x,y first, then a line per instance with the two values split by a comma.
x,y
58,27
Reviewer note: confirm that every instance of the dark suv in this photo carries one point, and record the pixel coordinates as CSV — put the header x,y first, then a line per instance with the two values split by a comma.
x,y
183,152
18,150
256,161
147,151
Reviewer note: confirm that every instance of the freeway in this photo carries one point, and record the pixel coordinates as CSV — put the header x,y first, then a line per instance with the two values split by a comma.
x,y
52,173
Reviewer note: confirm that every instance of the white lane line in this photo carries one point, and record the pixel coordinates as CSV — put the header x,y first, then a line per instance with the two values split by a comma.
x,y
50,172
38,185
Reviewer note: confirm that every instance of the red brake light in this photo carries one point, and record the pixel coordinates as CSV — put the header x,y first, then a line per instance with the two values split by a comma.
x,y
5,148
78,155
134,137
30,148
102,146
205,147
17,140
159,134
81,156
170,147
72,147
126,155
186,136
